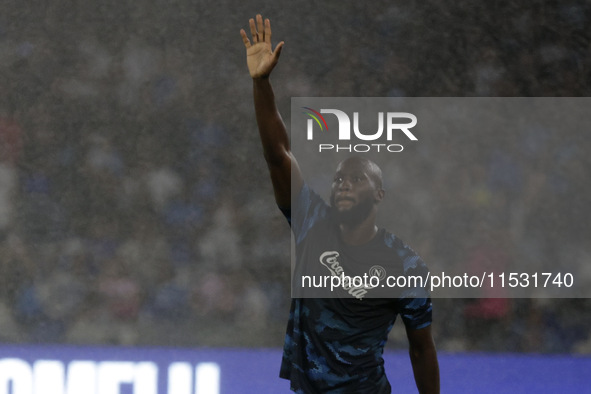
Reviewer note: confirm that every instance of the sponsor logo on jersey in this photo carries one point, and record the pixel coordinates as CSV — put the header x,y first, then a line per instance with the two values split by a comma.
x,y
356,286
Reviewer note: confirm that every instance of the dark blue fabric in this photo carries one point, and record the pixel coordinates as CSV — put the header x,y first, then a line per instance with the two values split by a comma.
x,y
335,345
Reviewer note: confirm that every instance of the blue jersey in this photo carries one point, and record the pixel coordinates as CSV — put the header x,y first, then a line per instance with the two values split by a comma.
x,y
335,345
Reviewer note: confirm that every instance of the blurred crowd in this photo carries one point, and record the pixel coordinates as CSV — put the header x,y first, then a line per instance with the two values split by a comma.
x,y
135,207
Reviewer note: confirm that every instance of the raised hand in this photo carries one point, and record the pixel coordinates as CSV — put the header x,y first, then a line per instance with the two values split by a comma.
x,y
260,56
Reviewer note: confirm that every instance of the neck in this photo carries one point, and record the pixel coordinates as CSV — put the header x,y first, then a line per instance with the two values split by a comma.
x,y
361,233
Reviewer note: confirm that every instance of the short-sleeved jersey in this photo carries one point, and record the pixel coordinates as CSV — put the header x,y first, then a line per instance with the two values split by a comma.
x,y
335,345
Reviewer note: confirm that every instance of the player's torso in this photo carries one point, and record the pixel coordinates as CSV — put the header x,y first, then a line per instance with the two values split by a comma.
x,y
326,267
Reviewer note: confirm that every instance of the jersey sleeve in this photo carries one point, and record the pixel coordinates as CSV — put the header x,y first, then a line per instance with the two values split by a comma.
x,y
415,302
306,210
416,313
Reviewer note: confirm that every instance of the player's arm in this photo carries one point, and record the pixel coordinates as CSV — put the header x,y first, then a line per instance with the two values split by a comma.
x,y
423,357
261,60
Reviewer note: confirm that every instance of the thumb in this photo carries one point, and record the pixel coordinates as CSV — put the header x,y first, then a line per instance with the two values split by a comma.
x,y
277,51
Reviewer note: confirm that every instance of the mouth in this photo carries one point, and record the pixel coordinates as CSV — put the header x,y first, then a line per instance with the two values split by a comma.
x,y
344,201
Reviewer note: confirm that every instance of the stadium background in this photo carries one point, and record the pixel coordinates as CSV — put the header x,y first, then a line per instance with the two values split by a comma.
x,y
135,207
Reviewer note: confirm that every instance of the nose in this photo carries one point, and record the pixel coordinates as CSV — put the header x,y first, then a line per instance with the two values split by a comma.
x,y
345,184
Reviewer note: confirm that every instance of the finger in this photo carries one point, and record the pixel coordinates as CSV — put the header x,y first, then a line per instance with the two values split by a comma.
x,y
277,51
253,31
260,28
267,31
245,39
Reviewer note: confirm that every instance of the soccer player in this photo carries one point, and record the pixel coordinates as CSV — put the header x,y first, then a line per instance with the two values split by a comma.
x,y
335,345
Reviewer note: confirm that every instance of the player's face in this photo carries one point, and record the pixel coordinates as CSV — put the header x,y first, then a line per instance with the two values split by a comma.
x,y
353,193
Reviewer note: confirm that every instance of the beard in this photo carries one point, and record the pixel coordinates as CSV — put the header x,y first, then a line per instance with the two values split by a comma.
x,y
354,215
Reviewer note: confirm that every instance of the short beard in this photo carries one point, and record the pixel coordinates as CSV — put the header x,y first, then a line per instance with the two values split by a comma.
x,y
355,215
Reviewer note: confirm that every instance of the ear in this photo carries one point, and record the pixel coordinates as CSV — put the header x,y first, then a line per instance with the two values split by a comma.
x,y
378,195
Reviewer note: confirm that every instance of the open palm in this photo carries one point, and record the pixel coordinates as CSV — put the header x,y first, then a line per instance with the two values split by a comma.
x,y
260,56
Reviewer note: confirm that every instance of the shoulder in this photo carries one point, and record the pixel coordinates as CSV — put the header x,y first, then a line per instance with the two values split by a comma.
x,y
310,203
408,257
307,211
305,200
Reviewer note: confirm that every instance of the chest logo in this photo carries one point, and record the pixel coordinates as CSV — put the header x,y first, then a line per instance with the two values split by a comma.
x,y
329,260
377,270
356,286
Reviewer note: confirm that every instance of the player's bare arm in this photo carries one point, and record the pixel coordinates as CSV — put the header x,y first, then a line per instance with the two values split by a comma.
x,y
423,357
261,59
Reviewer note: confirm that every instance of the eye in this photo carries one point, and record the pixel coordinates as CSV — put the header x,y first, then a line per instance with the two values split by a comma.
x,y
338,179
